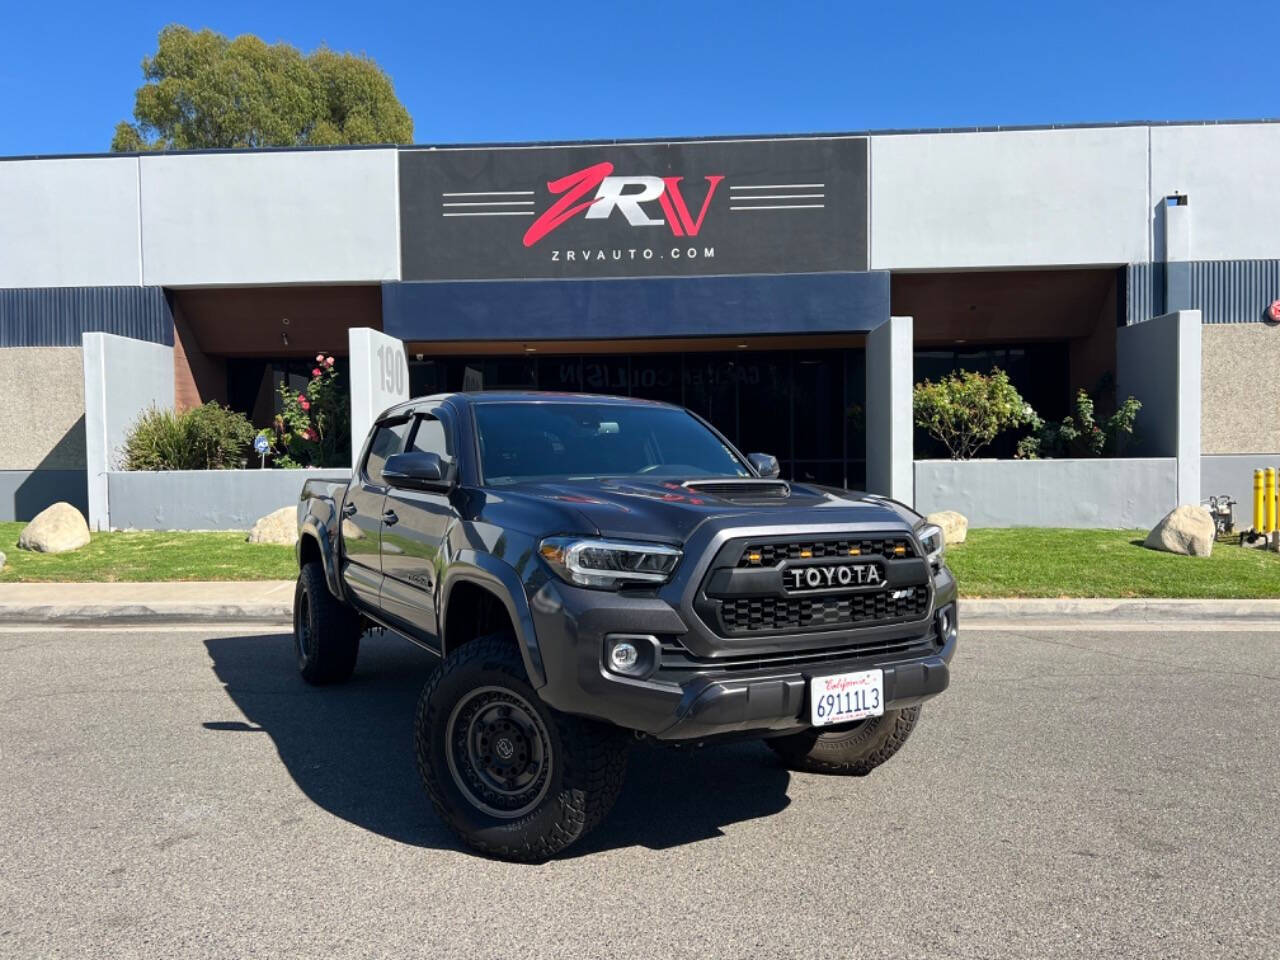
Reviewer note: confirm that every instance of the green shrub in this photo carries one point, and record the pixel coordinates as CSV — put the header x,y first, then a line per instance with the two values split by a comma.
x,y
209,437
1082,435
965,411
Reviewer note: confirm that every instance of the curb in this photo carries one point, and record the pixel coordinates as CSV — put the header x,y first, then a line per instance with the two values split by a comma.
x,y
1093,610
158,612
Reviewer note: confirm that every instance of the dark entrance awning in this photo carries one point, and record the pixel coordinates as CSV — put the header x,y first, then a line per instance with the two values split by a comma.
x,y
528,310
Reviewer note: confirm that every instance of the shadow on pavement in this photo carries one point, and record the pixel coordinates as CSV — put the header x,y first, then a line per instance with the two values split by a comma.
x,y
350,749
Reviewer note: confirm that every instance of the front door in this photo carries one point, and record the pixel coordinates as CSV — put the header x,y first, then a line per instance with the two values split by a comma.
x,y
415,525
362,514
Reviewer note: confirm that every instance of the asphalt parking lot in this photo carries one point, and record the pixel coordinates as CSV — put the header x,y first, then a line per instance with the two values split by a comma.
x,y
179,792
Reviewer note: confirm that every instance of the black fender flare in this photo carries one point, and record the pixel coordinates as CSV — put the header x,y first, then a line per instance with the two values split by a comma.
x,y
502,580
317,530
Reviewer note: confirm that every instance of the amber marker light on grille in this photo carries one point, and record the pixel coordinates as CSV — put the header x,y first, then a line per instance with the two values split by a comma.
x,y
900,551
855,551
753,557
806,554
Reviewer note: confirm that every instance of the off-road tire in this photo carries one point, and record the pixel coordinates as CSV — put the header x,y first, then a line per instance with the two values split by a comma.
x,y
326,632
857,749
587,760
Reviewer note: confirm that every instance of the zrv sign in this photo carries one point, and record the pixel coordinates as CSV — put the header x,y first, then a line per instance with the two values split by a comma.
x,y
634,210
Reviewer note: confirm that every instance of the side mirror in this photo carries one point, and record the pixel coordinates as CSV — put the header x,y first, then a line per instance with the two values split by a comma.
x,y
418,471
765,464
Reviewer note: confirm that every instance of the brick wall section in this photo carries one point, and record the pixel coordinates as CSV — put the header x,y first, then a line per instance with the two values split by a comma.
x,y
197,377
1240,388
41,408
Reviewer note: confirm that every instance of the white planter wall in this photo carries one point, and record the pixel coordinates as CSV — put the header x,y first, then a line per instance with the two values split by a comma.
x,y
1117,494
204,499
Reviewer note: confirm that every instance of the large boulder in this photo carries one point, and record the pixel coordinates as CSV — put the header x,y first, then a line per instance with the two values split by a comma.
x,y
1187,530
57,528
955,526
278,526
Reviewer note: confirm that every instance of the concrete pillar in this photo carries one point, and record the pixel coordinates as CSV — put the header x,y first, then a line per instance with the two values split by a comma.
x,y
123,378
890,426
1158,361
1176,253
379,379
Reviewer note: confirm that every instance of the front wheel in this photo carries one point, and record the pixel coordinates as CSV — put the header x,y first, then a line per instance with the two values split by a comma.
x,y
511,777
855,749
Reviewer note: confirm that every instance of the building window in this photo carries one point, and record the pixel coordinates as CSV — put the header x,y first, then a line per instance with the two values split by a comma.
x,y
1039,371
253,385
804,407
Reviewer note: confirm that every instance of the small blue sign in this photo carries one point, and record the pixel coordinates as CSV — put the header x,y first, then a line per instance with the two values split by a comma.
x,y
261,444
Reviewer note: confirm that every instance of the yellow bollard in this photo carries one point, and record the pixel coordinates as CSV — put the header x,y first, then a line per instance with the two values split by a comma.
x,y
1257,501
1269,499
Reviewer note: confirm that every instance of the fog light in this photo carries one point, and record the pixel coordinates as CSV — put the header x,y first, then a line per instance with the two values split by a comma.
x,y
946,624
624,656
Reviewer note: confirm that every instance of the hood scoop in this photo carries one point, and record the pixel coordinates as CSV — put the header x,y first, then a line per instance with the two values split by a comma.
x,y
732,488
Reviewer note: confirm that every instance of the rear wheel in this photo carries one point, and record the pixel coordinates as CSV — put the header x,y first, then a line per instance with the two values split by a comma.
x,y
326,632
854,749
509,775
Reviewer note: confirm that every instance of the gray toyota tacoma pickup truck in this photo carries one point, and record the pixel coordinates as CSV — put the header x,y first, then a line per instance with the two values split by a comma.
x,y
594,570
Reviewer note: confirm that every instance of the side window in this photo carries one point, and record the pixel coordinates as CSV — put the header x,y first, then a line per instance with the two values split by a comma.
x,y
431,437
388,439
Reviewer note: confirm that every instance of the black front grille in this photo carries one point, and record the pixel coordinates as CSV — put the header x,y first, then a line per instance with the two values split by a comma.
x,y
771,554
748,615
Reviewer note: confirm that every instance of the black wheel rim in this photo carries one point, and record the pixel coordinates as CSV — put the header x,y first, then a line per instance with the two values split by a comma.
x,y
499,752
302,628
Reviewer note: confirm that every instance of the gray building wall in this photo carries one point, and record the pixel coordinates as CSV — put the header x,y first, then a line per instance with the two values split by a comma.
x,y
1233,476
327,216
1010,198
69,223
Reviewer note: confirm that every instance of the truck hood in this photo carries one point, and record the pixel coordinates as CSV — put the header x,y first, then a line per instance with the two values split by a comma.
x,y
667,511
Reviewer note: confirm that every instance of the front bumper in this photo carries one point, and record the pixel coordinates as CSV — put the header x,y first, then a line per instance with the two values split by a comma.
x,y
704,699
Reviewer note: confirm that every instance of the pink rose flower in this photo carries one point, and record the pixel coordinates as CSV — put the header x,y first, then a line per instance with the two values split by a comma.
x,y
319,357
328,361
315,372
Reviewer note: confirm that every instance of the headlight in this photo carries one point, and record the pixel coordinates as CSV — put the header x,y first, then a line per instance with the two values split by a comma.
x,y
934,543
608,563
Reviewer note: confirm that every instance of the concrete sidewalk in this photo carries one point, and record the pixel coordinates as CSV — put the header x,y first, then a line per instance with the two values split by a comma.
x,y
271,601
259,601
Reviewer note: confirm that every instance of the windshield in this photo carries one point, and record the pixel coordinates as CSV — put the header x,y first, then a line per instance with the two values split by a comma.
x,y
527,440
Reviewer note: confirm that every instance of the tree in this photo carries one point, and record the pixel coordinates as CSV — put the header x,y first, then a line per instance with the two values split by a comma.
x,y
204,91
965,411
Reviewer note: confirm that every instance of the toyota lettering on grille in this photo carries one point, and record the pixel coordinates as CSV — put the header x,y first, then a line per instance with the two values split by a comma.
x,y
834,575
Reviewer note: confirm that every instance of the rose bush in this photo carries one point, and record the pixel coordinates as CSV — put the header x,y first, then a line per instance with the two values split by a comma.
x,y
314,427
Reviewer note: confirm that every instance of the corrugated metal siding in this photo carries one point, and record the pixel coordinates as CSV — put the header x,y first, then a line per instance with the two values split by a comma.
x,y
1224,291
58,316
1234,291
1142,298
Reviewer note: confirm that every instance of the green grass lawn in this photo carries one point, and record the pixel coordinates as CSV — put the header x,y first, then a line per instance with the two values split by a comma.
x,y
1021,562
1039,562
149,555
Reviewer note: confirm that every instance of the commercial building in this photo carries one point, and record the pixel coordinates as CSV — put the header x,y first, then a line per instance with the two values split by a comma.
x,y
751,279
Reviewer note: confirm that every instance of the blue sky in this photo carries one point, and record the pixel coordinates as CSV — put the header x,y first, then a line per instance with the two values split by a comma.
x,y
534,71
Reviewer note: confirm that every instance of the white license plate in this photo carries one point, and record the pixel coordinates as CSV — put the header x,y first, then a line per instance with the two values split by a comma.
x,y
846,697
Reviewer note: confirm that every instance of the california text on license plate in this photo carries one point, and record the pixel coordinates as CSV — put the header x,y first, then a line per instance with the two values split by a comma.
x,y
846,697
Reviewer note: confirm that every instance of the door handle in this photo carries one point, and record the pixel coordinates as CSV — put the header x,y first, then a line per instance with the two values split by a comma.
x,y
390,518
348,509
